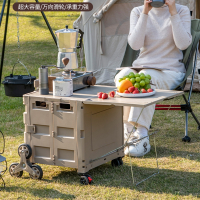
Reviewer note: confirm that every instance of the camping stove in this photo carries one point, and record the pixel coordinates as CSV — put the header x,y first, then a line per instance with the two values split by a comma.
x,y
80,79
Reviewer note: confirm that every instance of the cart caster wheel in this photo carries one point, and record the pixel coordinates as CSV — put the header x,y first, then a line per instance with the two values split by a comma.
x,y
186,139
12,167
26,148
115,163
86,180
38,172
120,161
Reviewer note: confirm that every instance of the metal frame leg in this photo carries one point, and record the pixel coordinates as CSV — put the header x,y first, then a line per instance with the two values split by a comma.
x,y
187,107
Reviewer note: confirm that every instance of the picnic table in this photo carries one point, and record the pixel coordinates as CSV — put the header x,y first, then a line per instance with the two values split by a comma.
x,y
80,131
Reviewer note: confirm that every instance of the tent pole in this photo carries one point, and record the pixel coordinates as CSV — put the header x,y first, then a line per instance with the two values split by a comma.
x,y
48,25
2,11
4,40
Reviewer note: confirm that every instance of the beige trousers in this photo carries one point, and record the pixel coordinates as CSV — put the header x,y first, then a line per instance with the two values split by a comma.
x,y
166,80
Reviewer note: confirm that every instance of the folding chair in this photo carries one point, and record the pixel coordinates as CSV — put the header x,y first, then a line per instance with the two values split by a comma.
x,y
189,60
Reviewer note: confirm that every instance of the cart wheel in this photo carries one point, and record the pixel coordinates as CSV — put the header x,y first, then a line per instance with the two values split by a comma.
x,y
86,180
115,163
120,160
186,139
12,167
26,148
38,172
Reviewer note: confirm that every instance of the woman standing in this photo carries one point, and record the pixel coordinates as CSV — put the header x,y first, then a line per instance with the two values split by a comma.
x,y
160,34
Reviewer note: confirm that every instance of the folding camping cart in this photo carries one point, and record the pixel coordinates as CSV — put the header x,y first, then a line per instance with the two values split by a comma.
x,y
80,131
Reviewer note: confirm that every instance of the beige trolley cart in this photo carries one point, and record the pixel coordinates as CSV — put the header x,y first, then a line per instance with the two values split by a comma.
x,y
80,131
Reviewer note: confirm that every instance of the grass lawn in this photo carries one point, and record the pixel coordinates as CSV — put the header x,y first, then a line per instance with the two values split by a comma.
x,y
179,162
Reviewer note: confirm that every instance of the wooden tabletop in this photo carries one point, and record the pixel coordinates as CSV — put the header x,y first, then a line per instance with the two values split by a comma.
x,y
122,101
89,96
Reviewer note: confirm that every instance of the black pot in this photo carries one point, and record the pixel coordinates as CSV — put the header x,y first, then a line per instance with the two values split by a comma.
x,y
18,85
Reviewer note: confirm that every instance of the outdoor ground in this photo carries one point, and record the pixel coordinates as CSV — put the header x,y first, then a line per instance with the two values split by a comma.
x,y
179,162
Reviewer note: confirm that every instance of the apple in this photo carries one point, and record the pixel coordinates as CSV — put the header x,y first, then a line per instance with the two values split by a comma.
x,y
104,96
150,90
143,90
127,92
99,94
112,94
131,89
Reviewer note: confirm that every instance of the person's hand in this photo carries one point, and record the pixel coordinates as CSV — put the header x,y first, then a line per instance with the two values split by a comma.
x,y
147,6
172,6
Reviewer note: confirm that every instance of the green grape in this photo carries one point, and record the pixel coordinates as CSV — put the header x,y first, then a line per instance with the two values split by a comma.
x,y
127,79
138,79
137,75
147,81
142,76
131,75
142,83
137,85
124,78
132,80
147,87
121,79
148,76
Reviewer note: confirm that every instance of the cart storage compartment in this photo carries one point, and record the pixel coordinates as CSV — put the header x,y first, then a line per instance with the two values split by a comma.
x,y
64,132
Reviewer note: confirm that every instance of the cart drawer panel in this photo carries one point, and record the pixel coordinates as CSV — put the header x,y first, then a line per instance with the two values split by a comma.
x,y
65,132
63,119
40,117
64,154
42,152
42,130
64,143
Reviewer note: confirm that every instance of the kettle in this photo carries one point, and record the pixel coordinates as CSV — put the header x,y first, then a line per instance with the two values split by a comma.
x,y
157,3
67,45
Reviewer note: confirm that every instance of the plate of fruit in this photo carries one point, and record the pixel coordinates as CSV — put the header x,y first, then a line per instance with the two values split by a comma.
x,y
135,85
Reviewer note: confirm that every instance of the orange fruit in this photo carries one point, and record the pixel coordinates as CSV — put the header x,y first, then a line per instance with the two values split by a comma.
x,y
124,85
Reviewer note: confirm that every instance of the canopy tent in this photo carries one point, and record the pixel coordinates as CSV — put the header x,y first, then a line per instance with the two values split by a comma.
x,y
106,29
